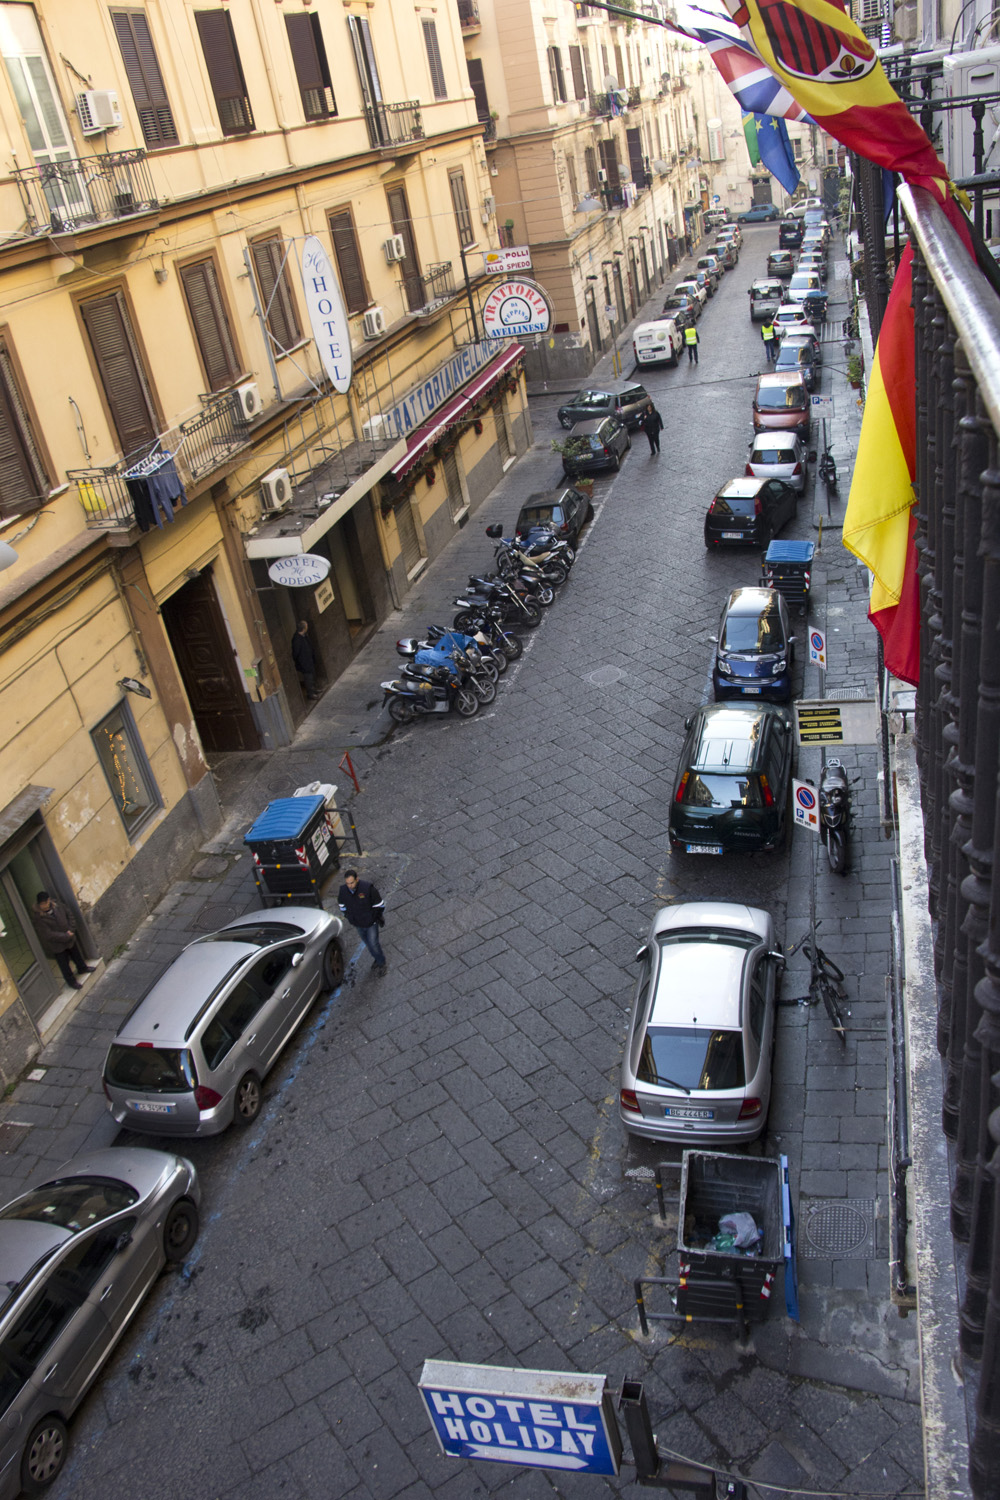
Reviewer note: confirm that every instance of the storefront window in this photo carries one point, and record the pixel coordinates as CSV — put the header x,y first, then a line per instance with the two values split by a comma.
x,y
120,752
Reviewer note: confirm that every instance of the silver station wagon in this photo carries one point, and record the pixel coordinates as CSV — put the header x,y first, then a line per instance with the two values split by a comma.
x,y
191,1057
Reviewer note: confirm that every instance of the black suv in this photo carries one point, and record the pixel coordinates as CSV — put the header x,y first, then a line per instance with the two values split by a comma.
x,y
566,510
790,232
731,789
627,405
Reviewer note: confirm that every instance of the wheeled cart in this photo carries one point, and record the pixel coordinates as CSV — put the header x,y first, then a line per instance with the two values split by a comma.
x,y
294,850
787,567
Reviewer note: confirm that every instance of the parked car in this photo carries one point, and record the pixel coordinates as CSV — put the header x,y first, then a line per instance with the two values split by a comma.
x,y
566,510
779,455
790,232
593,445
806,287
694,289
749,512
814,220
713,268
731,788
789,315
760,213
728,252
780,263
765,299
190,1058
706,280
715,217
805,333
781,401
804,206
627,404
812,260
657,343
79,1253
683,307
754,648
732,232
697,1064
793,355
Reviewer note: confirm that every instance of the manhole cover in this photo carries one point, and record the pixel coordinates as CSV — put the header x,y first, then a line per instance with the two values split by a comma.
x,y
844,1228
605,676
12,1135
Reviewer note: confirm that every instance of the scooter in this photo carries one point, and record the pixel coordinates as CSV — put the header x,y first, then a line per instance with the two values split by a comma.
x,y
494,660
465,666
835,814
499,596
408,699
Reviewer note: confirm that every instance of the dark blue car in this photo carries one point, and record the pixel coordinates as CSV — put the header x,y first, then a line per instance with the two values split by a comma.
x,y
754,648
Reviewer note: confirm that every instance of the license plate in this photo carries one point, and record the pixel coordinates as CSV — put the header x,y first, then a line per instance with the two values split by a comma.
x,y
147,1108
689,1114
751,689
732,536
704,848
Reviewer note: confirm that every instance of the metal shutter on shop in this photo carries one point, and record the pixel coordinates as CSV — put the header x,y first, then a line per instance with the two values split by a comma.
x,y
120,368
225,73
23,480
144,77
408,539
345,248
211,326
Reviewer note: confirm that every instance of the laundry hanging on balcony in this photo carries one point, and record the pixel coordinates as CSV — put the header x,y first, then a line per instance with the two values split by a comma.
x,y
155,489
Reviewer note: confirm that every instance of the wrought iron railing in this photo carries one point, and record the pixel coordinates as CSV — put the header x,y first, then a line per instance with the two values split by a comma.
x,y
61,197
489,129
634,96
393,124
439,283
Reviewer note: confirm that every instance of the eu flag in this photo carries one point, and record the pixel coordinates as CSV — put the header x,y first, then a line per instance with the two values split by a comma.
x,y
776,150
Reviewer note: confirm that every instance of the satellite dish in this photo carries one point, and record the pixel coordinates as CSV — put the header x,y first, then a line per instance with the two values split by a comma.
x,y
610,82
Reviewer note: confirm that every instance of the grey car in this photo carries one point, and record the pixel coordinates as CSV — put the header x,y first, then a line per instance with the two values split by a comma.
x,y
627,404
79,1253
191,1057
595,445
697,1063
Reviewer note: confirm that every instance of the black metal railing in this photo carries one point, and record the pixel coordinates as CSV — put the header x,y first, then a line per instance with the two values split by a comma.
x,y
439,283
634,97
489,129
210,438
393,124
61,197
468,15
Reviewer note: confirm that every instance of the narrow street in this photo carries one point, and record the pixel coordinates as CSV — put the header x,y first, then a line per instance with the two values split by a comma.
x,y
438,1170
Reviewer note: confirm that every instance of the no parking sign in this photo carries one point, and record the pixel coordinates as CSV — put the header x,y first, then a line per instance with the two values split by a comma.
x,y
804,803
817,648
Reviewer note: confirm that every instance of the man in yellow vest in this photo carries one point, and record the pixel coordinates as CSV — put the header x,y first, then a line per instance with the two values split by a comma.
x,y
691,340
768,334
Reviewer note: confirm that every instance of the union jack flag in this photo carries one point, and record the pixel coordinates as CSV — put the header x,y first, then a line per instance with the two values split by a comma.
x,y
749,78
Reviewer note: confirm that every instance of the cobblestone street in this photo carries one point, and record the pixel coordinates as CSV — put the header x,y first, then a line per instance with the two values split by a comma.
x,y
439,1170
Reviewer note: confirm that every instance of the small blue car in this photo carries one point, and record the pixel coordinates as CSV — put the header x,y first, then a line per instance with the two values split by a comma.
x,y
754,648
760,213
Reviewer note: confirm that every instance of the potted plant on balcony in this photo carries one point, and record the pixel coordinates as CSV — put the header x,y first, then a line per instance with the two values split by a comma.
x,y
855,370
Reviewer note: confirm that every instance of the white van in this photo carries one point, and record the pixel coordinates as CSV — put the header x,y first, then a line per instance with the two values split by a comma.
x,y
657,343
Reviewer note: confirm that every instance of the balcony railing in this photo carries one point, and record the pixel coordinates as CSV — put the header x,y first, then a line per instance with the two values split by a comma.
x,y
61,197
423,294
634,96
392,124
468,15
489,129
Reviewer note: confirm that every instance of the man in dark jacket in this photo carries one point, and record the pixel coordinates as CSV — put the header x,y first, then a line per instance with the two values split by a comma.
x,y
364,908
304,658
54,926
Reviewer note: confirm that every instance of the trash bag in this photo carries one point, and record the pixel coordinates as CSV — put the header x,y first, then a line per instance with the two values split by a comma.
x,y
742,1226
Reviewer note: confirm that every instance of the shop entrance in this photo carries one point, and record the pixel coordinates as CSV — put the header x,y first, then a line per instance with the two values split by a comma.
x,y
197,632
24,871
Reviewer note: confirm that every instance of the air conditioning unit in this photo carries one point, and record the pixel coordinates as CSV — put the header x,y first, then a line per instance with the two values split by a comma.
x,y
98,111
374,428
395,248
373,322
966,74
248,402
602,175
489,205
276,490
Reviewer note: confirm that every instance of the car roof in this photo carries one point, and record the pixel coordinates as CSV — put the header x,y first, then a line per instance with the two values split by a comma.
x,y
778,378
164,1014
548,497
688,915
781,255
752,601
729,736
744,487
589,425
699,984
775,438
767,284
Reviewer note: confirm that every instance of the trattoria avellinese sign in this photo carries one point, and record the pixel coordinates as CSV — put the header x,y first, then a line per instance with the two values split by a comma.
x,y
516,308
423,400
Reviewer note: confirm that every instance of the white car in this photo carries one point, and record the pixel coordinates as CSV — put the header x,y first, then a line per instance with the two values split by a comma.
x,y
789,315
692,289
778,455
657,343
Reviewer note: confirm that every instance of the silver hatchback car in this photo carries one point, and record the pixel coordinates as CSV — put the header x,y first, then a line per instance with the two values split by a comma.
x,y
697,1063
79,1253
191,1056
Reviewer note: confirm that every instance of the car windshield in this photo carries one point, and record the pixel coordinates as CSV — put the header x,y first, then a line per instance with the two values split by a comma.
x,y
598,399
761,632
693,1057
781,397
534,515
154,1070
709,790
73,1202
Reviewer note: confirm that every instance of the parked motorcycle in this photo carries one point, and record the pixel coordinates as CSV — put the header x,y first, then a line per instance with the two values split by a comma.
x,y
496,594
487,623
494,659
410,698
513,560
465,665
835,814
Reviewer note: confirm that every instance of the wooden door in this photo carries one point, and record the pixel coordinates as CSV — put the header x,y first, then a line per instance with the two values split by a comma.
x,y
208,667
122,375
399,214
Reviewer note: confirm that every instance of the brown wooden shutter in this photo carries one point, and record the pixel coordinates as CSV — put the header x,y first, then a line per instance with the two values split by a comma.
x,y
609,161
225,74
460,203
211,326
279,306
122,376
434,60
399,217
23,481
345,248
144,78
576,67
305,41
478,85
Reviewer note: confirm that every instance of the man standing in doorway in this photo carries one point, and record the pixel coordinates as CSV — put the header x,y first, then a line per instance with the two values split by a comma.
x,y
691,340
768,334
54,926
304,658
364,908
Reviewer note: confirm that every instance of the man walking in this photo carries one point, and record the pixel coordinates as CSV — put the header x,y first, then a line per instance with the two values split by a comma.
x,y
304,658
768,334
652,426
54,926
364,908
691,340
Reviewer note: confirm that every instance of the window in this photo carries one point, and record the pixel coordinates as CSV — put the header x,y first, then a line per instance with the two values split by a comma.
x,y
276,293
590,167
119,749
506,233
32,85
587,73
225,74
123,377
478,85
460,203
576,68
434,60
349,267
305,38
368,78
144,78
556,76
609,161
211,325
574,191
23,481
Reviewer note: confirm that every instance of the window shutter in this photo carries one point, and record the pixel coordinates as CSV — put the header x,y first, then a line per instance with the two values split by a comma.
x,y
434,60
576,66
211,326
218,42
144,77
609,161
305,39
460,203
478,85
345,248
122,376
556,76
279,306
23,481
590,163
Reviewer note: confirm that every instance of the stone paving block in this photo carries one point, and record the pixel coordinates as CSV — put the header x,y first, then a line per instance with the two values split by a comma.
x,y
288,1434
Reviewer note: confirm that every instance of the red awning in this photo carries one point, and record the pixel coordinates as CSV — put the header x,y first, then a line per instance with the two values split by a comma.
x,y
454,410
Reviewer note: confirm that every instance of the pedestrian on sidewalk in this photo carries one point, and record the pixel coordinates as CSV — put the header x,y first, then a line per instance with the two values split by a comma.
x,y
769,334
652,426
364,908
54,926
691,341
304,658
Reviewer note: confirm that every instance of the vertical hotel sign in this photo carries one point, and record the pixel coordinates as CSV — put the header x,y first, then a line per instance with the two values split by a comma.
x,y
327,313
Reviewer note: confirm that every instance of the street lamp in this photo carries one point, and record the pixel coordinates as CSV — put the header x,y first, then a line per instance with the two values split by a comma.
x,y
463,251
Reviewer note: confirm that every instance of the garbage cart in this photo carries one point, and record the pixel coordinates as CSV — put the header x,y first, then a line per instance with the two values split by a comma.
x,y
294,851
787,567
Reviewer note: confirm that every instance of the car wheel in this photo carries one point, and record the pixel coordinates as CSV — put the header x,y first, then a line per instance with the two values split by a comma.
x,y
180,1231
333,965
566,422
249,1098
590,512
44,1454
617,463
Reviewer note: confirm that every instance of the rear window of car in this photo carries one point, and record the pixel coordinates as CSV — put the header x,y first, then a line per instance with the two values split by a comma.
x,y
705,789
781,397
733,505
596,400
790,357
151,1070
772,456
538,515
693,1057
633,394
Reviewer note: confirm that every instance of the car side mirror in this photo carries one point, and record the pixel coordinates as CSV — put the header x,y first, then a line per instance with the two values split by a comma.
x,y
641,952
297,960
779,958
714,639
792,639
494,531
123,1241
688,721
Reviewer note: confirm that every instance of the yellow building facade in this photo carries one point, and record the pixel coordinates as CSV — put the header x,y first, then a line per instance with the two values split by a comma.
x,y
167,428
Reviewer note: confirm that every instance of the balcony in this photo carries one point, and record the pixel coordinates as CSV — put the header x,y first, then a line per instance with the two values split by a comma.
x,y
394,124
489,130
468,17
63,197
425,294
634,96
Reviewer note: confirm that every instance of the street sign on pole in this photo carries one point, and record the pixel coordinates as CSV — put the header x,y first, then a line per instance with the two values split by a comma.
x,y
822,406
805,806
817,648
